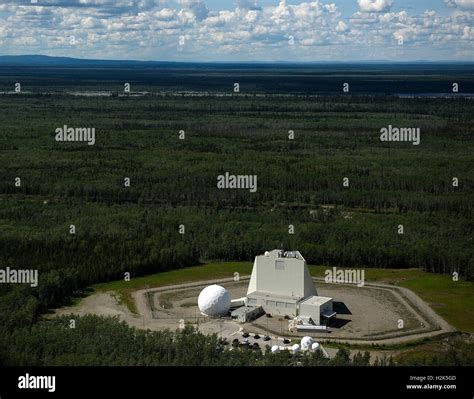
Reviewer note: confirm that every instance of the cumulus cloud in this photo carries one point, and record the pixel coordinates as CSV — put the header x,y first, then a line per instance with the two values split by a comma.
x,y
188,30
374,5
197,7
464,4
282,13
362,18
341,26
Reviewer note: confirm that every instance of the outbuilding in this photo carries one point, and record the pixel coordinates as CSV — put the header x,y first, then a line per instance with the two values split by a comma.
x,y
318,308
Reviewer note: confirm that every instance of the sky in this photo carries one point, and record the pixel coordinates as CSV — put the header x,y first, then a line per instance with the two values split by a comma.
x,y
240,30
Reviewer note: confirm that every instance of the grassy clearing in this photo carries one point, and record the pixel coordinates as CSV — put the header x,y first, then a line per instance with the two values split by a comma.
x,y
434,341
422,351
410,352
208,271
454,301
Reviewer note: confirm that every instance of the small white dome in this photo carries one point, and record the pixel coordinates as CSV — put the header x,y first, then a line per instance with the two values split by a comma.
x,y
314,346
275,349
295,348
214,300
306,343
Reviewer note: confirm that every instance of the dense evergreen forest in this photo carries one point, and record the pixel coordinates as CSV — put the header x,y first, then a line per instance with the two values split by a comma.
x,y
104,341
137,229
173,183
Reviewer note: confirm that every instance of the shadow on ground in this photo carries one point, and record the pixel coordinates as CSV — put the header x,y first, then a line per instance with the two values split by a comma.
x,y
340,308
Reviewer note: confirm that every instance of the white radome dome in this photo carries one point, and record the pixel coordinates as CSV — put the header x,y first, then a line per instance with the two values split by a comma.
x,y
275,349
306,343
295,348
315,346
214,300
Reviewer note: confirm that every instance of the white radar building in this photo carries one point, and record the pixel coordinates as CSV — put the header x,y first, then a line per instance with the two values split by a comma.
x,y
281,284
214,301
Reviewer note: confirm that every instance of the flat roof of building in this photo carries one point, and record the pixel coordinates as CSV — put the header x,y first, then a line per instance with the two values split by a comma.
x,y
316,300
328,314
280,253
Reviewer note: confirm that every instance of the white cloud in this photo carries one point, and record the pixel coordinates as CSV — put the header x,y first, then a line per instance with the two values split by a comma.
x,y
468,33
165,14
282,13
150,29
401,17
198,8
464,4
374,5
341,26
362,18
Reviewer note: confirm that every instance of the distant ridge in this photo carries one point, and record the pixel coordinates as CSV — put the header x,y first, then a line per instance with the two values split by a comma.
x,y
46,60
50,61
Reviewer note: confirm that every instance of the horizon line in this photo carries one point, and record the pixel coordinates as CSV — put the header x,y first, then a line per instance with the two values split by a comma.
x,y
375,61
